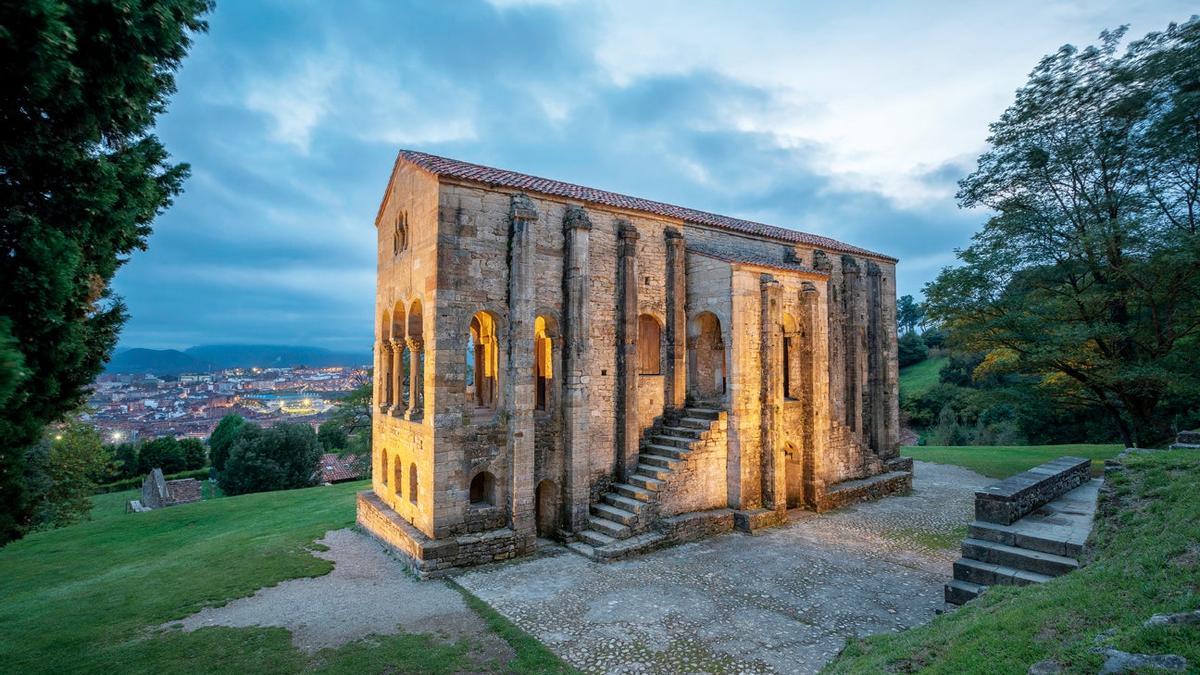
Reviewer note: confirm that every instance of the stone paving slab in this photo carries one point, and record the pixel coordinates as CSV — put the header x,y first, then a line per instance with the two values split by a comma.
x,y
784,600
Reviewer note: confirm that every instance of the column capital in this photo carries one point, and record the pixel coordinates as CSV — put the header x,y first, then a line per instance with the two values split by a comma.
x,y
523,208
576,218
395,343
808,288
415,344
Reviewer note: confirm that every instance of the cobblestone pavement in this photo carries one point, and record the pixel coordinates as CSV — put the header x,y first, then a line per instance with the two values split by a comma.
x,y
785,600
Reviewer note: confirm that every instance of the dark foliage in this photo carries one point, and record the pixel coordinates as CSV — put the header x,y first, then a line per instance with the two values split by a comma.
x,y
282,457
222,439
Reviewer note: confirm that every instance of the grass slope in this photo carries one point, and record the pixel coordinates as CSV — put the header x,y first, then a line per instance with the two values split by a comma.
x,y
1145,561
88,598
921,377
1002,461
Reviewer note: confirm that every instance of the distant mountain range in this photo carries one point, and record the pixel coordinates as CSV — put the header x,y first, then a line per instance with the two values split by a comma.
x,y
207,358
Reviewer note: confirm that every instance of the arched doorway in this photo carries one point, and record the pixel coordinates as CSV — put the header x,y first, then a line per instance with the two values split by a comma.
x,y
706,357
546,509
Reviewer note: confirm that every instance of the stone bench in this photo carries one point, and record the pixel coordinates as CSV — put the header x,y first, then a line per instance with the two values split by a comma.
x,y
1012,498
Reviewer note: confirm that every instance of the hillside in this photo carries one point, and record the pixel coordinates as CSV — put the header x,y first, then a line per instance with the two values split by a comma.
x,y
1145,560
91,597
921,377
217,357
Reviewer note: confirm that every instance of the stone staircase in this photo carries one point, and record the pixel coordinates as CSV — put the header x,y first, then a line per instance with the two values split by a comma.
x,y
621,522
1034,547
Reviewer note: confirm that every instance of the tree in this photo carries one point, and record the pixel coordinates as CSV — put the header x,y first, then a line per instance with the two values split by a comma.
x,y
194,455
332,436
911,349
61,473
1087,276
223,437
125,460
161,453
353,417
82,177
282,457
909,314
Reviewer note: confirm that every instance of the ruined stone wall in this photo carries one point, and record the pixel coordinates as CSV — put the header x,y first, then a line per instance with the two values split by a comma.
x,y
403,278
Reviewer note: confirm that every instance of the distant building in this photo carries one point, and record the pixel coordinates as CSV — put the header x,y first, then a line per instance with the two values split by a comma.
x,y
337,469
158,492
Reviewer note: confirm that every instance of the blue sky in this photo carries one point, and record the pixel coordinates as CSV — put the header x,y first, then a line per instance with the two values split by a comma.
x,y
852,120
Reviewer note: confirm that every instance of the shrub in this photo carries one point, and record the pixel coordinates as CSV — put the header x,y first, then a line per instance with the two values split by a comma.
x,y
161,453
911,349
223,438
194,454
60,474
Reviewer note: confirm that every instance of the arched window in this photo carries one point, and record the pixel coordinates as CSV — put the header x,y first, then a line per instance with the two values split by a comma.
x,y
416,361
398,370
483,362
543,362
483,488
706,357
398,480
383,475
649,345
400,234
412,483
383,376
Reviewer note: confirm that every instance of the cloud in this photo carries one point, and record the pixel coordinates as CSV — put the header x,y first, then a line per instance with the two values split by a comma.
x,y
849,121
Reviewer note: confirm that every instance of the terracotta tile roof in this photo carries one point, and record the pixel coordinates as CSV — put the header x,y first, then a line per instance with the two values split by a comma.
x,y
335,469
732,255
453,168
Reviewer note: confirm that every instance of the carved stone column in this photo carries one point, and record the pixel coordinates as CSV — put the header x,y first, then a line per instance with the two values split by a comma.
x,y
395,394
676,380
416,378
576,347
519,385
774,467
629,430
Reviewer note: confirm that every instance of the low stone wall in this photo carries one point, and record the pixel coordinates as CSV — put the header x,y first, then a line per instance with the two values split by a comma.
x,y
696,525
865,489
1012,498
435,557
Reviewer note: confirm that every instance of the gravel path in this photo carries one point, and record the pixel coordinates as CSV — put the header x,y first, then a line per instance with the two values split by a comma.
x,y
368,593
782,601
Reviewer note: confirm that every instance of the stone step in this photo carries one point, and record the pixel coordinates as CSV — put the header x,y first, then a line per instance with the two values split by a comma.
x,y
639,493
614,514
585,550
1034,537
704,413
657,450
695,423
648,477
663,461
621,502
958,592
990,574
682,442
594,538
637,544
1019,558
694,433
610,528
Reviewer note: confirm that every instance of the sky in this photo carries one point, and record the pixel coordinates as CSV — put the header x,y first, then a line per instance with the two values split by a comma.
x,y
853,120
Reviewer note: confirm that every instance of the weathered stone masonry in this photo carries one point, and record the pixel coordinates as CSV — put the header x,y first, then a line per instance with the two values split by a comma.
x,y
557,361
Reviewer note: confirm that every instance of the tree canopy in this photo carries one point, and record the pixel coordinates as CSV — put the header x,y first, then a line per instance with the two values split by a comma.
x,y
282,457
82,177
1087,276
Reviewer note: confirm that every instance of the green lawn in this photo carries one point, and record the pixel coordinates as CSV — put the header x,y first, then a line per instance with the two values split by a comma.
x,y
1002,461
1145,561
87,598
921,377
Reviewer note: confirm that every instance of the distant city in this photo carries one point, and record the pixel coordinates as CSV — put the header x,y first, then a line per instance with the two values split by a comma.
x,y
130,407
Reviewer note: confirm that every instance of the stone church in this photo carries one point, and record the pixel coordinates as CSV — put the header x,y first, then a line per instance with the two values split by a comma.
x,y
612,372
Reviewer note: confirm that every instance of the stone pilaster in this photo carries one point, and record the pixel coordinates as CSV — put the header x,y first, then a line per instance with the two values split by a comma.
x,y
815,398
628,429
774,464
383,350
855,305
576,347
676,376
519,385
875,411
416,378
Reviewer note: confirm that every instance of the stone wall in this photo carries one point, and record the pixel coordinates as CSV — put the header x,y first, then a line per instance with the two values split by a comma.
x,y
1012,498
699,484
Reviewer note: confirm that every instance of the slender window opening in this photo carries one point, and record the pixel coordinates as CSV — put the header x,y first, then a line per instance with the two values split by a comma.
x,y
483,362
543,355
412,483
483,489
649,345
